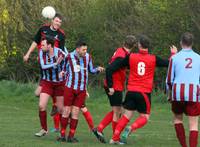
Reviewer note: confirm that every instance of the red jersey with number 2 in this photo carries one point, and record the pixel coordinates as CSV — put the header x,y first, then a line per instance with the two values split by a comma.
x,y
142,68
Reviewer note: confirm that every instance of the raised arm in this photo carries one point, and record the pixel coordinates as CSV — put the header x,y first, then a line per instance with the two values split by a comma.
x,y
34,44
30,50
170,74
165,62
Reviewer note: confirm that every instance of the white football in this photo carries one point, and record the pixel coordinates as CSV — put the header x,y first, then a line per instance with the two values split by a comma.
x,y
48,12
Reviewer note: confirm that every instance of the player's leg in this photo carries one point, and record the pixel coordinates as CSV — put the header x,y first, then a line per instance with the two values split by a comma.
x,y
123,121
58,115
68,100
38,90
44,97
77,103
73,124
46,92
64,122
108,117
116,103
178,110
112,116
54,109
193,125
193,112
129,106
142,103
88,117
116,115
144,108
58,100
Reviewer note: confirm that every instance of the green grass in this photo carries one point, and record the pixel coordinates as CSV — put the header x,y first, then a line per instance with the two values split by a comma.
x,y
19,121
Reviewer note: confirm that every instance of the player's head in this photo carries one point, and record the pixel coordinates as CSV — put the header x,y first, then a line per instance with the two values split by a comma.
x,y
143,42
47,43
81,48
187,40
57,21
130,42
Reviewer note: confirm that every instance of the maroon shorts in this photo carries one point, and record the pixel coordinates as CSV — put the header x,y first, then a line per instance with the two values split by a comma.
x,y
53,88
74,97
41,82
189,108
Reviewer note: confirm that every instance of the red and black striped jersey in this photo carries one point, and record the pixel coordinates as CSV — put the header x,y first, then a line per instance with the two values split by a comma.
x,y
46,30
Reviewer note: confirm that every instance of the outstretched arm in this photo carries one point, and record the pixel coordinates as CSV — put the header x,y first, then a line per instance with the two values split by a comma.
x,y
92,69
165,62
30,50
34,44
114,66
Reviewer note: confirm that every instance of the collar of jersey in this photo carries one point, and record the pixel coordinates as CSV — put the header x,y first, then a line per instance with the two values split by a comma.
x,y
76,54
186,49
126,52
143,51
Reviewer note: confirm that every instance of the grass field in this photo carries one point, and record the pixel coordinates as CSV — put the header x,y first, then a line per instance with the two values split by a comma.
x,y
19,121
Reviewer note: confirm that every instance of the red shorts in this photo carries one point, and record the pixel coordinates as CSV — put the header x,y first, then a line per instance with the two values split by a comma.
x,y
53,88
74,97
189,108
41,82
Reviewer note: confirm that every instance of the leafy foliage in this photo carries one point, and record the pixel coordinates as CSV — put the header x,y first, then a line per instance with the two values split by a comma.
x,y
103,23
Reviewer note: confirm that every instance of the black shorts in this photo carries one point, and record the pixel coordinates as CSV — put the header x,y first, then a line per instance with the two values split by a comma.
x,y
138,101
116,98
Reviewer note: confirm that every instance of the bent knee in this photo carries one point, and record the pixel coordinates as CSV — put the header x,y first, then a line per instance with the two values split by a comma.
x,y
42,107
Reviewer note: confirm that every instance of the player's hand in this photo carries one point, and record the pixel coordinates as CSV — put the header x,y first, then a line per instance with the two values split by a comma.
x,y
26,57
111,91
61,74
87,94
169,95
59,60
173,49
100,69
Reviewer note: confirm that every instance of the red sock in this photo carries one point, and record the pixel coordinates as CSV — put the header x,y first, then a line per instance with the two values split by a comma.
x,y
88,118
180,133
56,120
139,122
193,138
64,122
120,127
54,100
114,124
73,126
43,119
106,121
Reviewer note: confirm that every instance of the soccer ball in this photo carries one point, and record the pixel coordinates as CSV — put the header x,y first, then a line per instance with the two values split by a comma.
x,y
48,12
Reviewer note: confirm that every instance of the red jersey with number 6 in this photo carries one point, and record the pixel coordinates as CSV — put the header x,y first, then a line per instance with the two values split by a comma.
x,y
142,68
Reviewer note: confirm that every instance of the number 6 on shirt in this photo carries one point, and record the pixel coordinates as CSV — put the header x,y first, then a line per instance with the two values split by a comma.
x,y
141,68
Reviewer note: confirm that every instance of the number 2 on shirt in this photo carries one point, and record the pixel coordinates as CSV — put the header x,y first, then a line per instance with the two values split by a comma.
x,y
189,63
141,68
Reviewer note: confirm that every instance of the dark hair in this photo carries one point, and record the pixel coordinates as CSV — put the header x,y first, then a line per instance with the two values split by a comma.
x,y
144,41
130,41
187,39
50,40
80,43
59,16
